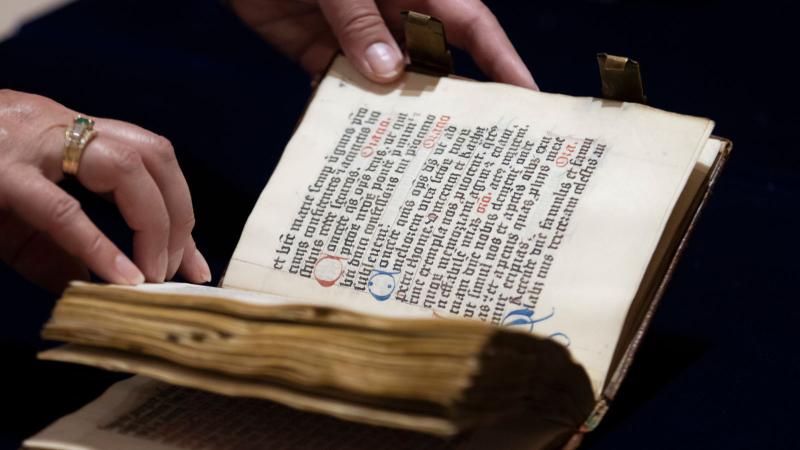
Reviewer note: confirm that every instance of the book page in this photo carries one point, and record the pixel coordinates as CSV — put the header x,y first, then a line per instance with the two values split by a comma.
x,y
486,201
140,413
394,310
674,232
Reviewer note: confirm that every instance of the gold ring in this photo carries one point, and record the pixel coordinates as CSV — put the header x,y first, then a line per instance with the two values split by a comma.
x,y
75,140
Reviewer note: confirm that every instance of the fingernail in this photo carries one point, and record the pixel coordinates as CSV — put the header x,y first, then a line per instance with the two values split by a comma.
x,y
128,270
202,265
174,263
531,82
383,59
163,262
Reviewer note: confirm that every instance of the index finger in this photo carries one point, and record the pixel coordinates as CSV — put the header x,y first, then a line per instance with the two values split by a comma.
x,y
46,207
474,28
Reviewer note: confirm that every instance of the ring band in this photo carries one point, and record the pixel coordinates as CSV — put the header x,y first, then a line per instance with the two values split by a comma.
x,y
75,140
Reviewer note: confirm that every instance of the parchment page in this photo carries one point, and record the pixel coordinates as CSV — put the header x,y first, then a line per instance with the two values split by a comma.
x,y
674,232
141,413
523,209
395,310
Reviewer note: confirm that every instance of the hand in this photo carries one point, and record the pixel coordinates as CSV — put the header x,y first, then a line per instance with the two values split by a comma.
x,y
46,236
308,31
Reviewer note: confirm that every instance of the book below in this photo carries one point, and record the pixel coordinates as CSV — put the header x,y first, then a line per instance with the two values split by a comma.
x,y
439,260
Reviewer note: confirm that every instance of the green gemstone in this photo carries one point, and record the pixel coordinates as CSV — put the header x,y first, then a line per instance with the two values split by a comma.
x,y
82,121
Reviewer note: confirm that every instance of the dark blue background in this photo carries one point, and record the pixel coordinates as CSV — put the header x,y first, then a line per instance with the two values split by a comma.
x,y
719,367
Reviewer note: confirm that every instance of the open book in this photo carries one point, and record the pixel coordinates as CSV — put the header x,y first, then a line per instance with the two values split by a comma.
x,y
439,255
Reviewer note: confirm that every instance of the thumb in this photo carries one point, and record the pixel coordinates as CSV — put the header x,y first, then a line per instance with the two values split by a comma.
x,y
364,37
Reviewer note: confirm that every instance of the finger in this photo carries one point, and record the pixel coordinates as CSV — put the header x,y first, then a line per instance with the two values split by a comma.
x,y
364,37
36,257
110,165
474,28
160,161
289,29
42,204
194,267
